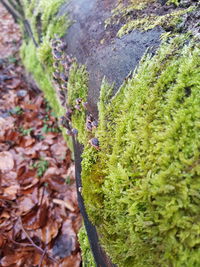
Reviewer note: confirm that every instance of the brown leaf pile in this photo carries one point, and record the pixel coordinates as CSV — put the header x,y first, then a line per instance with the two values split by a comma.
x,y
39,215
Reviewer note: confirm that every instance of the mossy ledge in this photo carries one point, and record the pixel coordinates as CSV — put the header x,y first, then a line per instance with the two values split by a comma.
x,y
87,257
38,61
141,189
147,14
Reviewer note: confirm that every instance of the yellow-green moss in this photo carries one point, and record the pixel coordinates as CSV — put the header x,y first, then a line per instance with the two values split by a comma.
x,y
78,88
38,61
175,2
122,10
32,64
142,188
42,16
140,15
169,20
43,80
87,257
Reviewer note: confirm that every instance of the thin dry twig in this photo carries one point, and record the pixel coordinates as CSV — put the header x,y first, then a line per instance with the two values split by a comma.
x,y
40,250
42,257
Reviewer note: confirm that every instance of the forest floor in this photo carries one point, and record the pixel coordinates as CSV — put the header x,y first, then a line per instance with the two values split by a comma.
x,y
39,215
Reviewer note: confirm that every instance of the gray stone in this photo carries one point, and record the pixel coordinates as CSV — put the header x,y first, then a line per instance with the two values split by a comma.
x,y
115,57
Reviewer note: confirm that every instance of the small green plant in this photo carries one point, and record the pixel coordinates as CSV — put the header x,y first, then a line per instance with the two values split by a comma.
x,y
40,137
53,114
68,180
47,129
25,132
46,118
47,106
12,59
41,166
16,111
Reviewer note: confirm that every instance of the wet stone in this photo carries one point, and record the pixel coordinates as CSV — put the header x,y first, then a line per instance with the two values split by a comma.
x,y
87,47
22,93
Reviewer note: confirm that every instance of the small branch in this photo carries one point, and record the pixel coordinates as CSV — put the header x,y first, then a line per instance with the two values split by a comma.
x,y
16,15
29,31
33,244
42,258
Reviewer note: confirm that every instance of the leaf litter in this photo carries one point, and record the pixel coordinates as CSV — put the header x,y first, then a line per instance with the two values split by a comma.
x,y
39,215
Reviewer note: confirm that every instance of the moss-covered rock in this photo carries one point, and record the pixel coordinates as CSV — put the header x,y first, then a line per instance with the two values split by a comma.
x,y
87,257
45,24
142,188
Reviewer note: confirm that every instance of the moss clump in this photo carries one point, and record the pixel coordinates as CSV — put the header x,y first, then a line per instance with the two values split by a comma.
x,y
148,22
32,64
122,11
146,15
87,257
45,24
175,2
78,88
43,80
42,16
142,188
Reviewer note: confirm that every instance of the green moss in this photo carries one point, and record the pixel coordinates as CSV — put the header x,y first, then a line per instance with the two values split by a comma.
x,y
151,21
146,15
45,24
87,257
142,188
122,10
78,88
29,57
175,2
42,78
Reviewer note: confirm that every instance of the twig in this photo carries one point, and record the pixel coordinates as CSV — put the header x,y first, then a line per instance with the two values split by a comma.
x,y
42,258
34,245
42,196
18,243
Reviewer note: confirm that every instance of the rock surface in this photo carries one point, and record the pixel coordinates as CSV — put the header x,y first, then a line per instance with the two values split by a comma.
x,y
98,48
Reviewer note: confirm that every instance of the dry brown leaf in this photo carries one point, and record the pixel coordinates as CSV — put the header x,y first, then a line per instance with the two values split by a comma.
x,y
2,241
57,183
28,178
49,232
18,258
59,151
15,83
71,261
6,161
27,141
27,202
36,218
67,204
49,138
51,171
29,106
8,179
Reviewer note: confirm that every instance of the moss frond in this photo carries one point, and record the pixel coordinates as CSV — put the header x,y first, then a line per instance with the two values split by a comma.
x,y
141,188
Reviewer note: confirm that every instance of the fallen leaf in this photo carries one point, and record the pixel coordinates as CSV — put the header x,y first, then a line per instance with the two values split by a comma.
x,y
36,218
6,161
73,260
11,192
29,106
49,232
27,202
15,83
67,204
59,151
